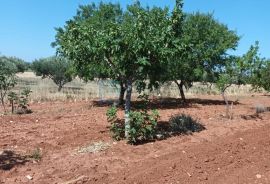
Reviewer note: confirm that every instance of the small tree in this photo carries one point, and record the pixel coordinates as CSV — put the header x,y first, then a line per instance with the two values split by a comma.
x,y
7,78
55,68
238,71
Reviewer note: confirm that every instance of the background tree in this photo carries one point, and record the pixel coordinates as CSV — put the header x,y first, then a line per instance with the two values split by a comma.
x,y
21,65
207,43
127,46
56,68
238,71
7,78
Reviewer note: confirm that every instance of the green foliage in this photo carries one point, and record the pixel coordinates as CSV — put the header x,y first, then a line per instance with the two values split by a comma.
x,y
20,102
21,65
240,70
8,78
129,46
117,126
56,68
205,44
183,124
142,126
259,70
36,154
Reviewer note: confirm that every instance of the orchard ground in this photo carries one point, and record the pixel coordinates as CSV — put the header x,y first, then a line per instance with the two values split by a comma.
x,y
76,147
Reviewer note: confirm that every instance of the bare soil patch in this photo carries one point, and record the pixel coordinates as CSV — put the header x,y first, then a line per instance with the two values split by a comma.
x,y
227,151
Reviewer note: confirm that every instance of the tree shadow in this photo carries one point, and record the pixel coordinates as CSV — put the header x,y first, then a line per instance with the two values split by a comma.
x,y
165,103
211,102
9,159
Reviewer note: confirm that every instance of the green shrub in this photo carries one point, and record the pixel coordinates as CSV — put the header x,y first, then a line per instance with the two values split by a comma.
x,y
117,126
20,102
142,126
184,124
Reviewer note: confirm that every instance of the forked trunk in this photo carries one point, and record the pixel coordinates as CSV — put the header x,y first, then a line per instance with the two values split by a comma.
x,y
128,107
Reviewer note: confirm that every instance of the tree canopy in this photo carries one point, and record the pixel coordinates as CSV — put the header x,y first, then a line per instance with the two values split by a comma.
x,y
129,46
56,68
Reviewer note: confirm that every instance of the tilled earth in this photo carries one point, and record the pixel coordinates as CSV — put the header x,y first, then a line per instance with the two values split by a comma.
x,y
228,151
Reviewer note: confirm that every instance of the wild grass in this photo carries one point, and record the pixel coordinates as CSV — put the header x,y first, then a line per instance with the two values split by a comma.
x,y
46,90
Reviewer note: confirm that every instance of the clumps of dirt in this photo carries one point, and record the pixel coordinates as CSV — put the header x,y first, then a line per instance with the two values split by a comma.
x,y
94,147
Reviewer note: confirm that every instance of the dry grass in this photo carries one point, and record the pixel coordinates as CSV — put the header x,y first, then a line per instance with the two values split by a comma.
x,y
46,90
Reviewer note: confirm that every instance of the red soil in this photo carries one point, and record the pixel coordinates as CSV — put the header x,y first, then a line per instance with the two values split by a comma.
x,y
228,151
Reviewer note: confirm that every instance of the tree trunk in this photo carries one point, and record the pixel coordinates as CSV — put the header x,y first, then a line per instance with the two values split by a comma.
x,y
122,93
60,88
3,103
227,103
181,89
127,107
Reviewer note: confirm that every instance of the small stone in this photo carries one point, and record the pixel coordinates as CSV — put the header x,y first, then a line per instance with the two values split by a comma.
x,y
184,152
29,177
206,160
258,176
241,139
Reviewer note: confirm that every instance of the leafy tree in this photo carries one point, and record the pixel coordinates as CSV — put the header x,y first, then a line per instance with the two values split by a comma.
x,y
21,65
238,70
128,46
207,43
7,78
55,68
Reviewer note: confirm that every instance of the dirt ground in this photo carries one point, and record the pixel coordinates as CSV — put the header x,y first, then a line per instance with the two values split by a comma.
x,y
233,151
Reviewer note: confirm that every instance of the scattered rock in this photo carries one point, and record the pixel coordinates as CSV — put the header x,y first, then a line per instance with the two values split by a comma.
x,y
29,177
258,176
81,179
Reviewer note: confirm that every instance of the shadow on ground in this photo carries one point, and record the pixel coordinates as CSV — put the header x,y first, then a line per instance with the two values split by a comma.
x,y
9,159
166,103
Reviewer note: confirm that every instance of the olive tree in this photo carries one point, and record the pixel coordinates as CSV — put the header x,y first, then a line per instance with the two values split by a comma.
x,y
55,68
129,46
20,64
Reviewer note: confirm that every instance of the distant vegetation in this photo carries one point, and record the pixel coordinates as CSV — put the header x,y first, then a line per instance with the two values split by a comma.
x,y
56,68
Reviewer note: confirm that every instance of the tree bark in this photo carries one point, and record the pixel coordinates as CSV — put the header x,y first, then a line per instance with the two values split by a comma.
x,y
122,93
128,107
3,103
60,88
227,103
181,90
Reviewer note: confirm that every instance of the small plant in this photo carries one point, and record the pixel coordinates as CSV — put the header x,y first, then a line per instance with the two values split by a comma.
x,y
142,126
184,124
20,102
36,154
117,127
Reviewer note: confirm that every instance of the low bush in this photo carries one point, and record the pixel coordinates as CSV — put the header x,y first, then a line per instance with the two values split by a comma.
x,y
142,126
184,124
20,102
117,126
142,123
